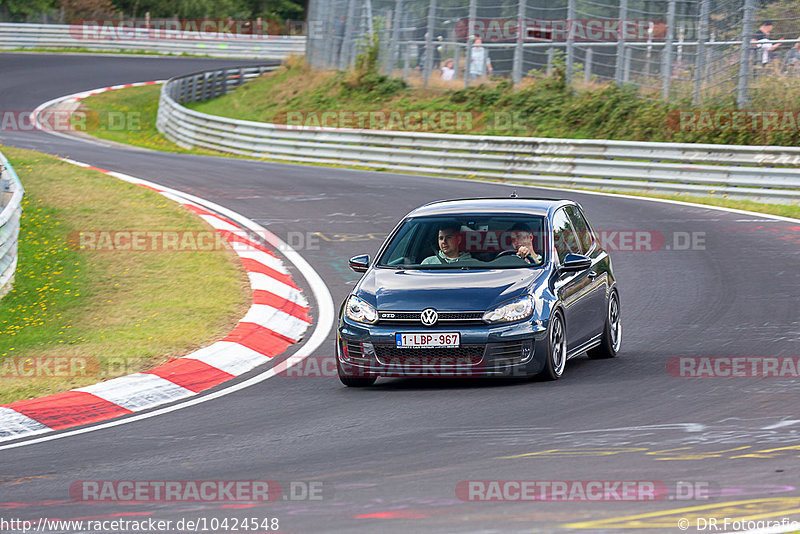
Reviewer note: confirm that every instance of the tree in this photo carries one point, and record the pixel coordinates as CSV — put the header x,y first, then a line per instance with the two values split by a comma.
x,y
87,9
19,10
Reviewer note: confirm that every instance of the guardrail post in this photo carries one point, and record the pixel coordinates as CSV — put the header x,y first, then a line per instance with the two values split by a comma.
x,y
744,65
195,83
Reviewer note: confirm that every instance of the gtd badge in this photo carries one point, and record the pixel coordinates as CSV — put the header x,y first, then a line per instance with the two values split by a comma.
x,y
429,317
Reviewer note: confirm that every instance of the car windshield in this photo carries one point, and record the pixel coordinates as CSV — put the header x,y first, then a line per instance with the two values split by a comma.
x,y
467,242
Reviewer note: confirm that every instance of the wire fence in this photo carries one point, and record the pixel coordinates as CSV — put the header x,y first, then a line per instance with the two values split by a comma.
x,y
703,48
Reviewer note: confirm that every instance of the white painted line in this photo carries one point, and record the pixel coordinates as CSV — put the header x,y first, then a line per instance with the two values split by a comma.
x,y
261,257
233,358
265,283
14,424
219,224
781,424
138,391
276,320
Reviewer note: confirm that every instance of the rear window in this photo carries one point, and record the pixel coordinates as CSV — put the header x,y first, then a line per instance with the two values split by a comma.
x,y
467,242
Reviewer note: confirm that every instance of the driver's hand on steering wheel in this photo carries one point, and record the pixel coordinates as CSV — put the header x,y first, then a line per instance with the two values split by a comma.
x,y
527,254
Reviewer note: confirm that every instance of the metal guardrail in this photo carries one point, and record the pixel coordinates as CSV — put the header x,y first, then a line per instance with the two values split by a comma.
x,y
13,36
11,193
733,170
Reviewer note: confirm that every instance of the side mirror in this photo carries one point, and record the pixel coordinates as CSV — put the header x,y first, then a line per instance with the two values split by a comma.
x,y
360,264
574,263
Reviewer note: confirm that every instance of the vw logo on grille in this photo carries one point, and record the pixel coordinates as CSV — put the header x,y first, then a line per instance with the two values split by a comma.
x,y
429,317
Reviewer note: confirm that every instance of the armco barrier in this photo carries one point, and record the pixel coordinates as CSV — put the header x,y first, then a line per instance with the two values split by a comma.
x,y
11,193
736,171
13,36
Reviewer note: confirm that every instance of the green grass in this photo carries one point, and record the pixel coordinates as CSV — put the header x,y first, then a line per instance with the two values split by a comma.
x,y
126,116
124,311
294,88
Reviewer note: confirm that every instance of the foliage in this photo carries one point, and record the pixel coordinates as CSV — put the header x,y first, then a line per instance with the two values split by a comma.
x,y
87,9
19,10
366,80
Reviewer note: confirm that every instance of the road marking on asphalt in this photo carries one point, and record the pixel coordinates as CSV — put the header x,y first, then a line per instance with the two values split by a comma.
x,y
551,453
747,510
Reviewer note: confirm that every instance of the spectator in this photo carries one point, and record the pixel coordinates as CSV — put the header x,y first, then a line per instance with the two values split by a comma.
x,y
764,45
791,64
447,70
338,29
479,62
437,57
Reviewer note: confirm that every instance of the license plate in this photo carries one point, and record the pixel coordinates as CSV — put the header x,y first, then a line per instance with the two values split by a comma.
x,y
428,341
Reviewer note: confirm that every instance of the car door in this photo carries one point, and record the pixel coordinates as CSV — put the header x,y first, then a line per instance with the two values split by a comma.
x,y
597,288
572,288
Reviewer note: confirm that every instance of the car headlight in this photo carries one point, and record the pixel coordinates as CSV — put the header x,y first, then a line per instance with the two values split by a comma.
x,y
360,311
512,311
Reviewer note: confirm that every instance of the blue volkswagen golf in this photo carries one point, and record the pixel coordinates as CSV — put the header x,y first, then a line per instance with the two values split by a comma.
x,y
480,287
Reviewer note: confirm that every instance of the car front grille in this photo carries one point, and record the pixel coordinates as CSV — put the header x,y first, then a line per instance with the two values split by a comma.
x,y
464,355
453,317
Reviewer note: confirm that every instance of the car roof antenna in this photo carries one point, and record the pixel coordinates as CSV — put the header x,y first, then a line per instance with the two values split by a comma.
x,y
514,193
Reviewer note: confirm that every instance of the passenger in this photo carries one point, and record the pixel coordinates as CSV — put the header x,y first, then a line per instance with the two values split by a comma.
x,y
450,239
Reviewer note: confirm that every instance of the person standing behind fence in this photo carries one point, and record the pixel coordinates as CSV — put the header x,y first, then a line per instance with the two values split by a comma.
x,y
791,64
479,63
447,70
764,45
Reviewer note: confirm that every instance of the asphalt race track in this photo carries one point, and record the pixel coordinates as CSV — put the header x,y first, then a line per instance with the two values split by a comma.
x,y
390,457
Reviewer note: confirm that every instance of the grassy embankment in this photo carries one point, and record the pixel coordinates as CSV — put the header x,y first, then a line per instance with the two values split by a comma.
x,y
543,106
109,312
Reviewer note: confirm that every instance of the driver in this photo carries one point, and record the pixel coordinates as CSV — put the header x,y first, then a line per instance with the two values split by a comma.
x,y
522,241
449,238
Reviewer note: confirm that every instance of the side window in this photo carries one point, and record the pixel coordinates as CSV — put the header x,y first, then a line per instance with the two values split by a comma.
x,y
564,236
585,236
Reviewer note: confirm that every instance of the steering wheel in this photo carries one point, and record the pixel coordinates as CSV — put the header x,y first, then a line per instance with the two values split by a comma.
x,y
505,253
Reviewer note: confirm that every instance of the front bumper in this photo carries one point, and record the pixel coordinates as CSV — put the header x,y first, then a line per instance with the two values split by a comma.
x,y
516,349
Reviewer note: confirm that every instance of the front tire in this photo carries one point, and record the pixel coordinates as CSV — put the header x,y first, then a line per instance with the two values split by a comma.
x,y
611,341
354,381
556,349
